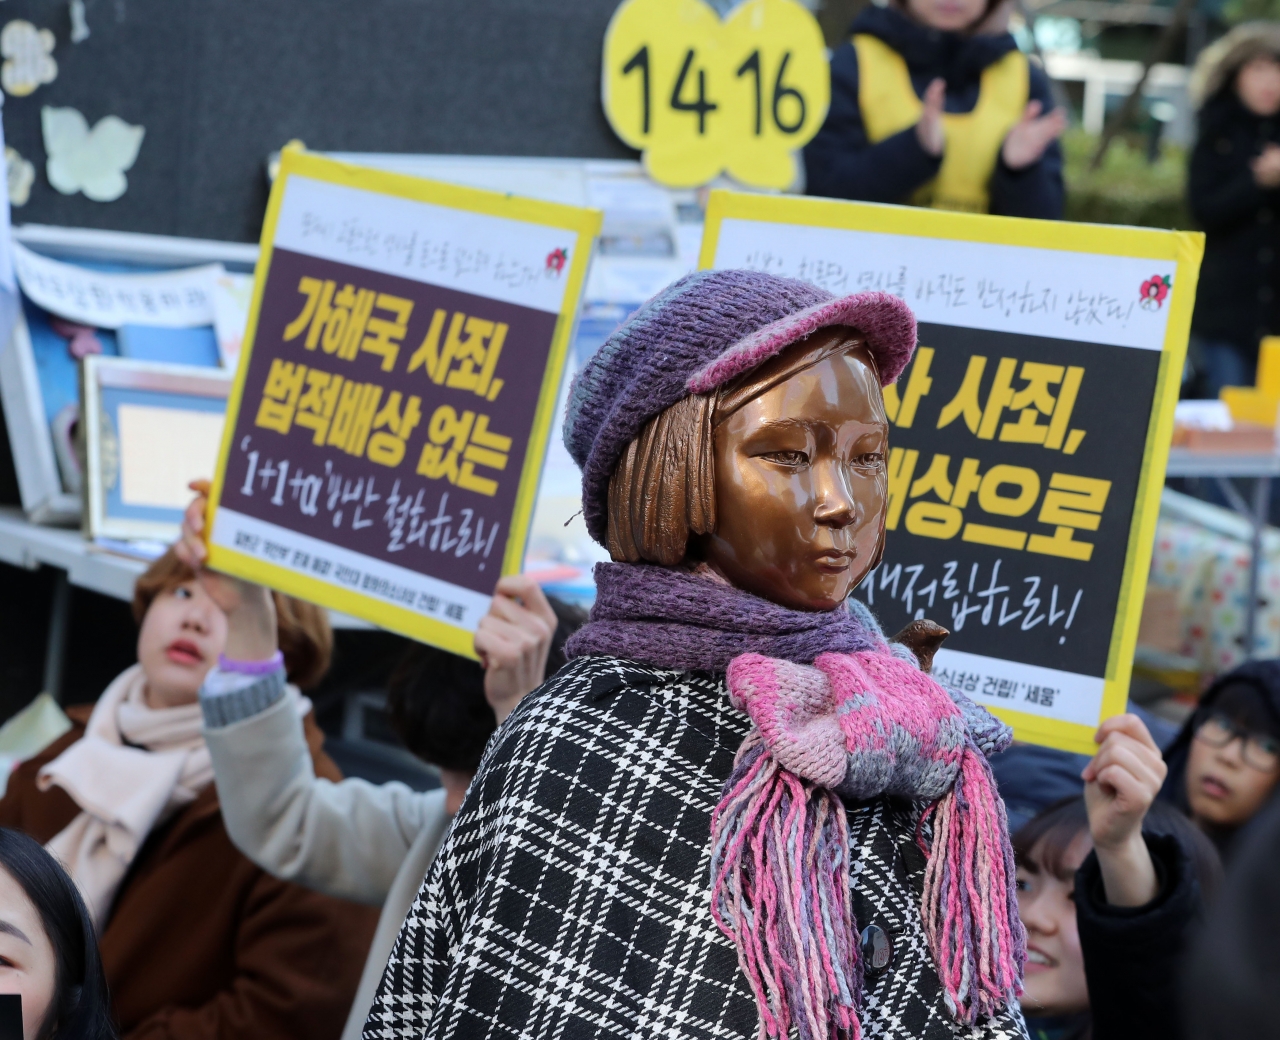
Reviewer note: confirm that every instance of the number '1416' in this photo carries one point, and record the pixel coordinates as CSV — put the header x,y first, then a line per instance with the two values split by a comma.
x,y
786,101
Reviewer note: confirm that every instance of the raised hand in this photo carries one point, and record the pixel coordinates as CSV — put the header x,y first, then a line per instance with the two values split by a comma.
x,y
250,610
1121,782
1266,167
1033,133
190,547
930,132
513,640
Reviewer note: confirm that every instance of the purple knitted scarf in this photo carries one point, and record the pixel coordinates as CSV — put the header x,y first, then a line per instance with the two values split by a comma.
x,y
859,722
672,618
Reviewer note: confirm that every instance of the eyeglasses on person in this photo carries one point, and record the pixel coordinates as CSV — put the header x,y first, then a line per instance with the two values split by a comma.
x,y
1260,750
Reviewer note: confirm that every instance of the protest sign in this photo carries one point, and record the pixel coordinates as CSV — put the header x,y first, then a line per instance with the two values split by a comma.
x,y
395,391
1028,438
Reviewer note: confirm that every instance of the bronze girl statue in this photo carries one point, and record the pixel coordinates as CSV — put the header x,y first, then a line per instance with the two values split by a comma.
x,y
740,811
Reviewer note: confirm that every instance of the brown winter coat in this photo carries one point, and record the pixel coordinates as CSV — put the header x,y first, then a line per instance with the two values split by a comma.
x,y
201,944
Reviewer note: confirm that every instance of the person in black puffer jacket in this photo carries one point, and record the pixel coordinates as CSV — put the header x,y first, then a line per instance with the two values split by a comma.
x,y
1234,191
932,103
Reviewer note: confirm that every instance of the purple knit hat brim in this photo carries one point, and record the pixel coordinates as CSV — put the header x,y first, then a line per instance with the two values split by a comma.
x,y
885,321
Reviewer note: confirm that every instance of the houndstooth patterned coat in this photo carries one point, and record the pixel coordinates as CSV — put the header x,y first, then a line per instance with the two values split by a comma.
x,y
571,899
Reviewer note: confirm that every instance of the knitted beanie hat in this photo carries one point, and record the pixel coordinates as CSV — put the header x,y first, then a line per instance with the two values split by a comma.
x,y
695,336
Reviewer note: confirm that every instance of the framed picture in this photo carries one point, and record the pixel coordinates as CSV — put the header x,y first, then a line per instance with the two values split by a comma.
x,y
149,429
46,498
39,377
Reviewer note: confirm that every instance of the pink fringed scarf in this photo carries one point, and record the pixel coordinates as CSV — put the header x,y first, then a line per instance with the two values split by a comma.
x,y
859,725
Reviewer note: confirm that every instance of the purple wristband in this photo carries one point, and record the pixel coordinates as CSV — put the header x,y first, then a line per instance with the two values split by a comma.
x,y
273,664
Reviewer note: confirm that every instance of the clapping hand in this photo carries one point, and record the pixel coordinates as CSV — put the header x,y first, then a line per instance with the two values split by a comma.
x,y
930,131
1033,133
1266,167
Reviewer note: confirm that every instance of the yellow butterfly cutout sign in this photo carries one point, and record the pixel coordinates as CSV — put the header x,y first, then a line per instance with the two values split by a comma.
x,y
701,95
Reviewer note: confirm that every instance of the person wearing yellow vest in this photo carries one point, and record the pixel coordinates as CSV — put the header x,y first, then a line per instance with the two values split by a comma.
x,y
933,104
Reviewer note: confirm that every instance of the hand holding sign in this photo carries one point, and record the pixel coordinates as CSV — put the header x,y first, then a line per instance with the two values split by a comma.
x,y
513,641
701,96
250,609
1121,782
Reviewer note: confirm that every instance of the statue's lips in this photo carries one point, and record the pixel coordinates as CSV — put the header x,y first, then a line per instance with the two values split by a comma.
x,y
835,560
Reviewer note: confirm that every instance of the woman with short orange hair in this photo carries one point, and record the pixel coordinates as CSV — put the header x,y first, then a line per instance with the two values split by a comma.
x,y
196,941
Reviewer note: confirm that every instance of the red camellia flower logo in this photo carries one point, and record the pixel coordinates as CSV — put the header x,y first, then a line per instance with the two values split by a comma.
x,y
1154,290
556,259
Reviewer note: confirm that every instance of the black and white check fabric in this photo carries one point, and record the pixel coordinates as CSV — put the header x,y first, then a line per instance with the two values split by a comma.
x,y
571,899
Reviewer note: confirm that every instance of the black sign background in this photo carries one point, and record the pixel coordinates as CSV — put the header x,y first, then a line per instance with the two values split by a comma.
x,y
522,366
1114,408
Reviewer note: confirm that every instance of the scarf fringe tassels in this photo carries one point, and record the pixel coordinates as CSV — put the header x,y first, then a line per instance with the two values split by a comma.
x,y
781,893
970,903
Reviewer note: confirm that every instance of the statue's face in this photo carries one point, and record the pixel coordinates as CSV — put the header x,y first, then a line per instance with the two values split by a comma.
x,y
801,485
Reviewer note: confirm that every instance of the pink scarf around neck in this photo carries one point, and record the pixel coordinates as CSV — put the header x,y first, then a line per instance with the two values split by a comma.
x,y
859,725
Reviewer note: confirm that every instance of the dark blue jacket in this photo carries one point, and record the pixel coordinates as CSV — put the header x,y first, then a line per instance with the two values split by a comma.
x,y
841,163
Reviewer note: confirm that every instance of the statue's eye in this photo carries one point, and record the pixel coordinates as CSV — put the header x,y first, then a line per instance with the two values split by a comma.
x,y
869,458
787,458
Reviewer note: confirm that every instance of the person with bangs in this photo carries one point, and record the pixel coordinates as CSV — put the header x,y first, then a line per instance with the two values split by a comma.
x,y
1224,764
197,942
1110,884
48,952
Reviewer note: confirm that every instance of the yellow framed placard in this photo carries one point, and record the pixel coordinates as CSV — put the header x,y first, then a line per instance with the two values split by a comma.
x,y
1028,438
395,392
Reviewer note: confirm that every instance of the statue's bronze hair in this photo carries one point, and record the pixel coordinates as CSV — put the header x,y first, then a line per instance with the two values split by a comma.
x,y
662,491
